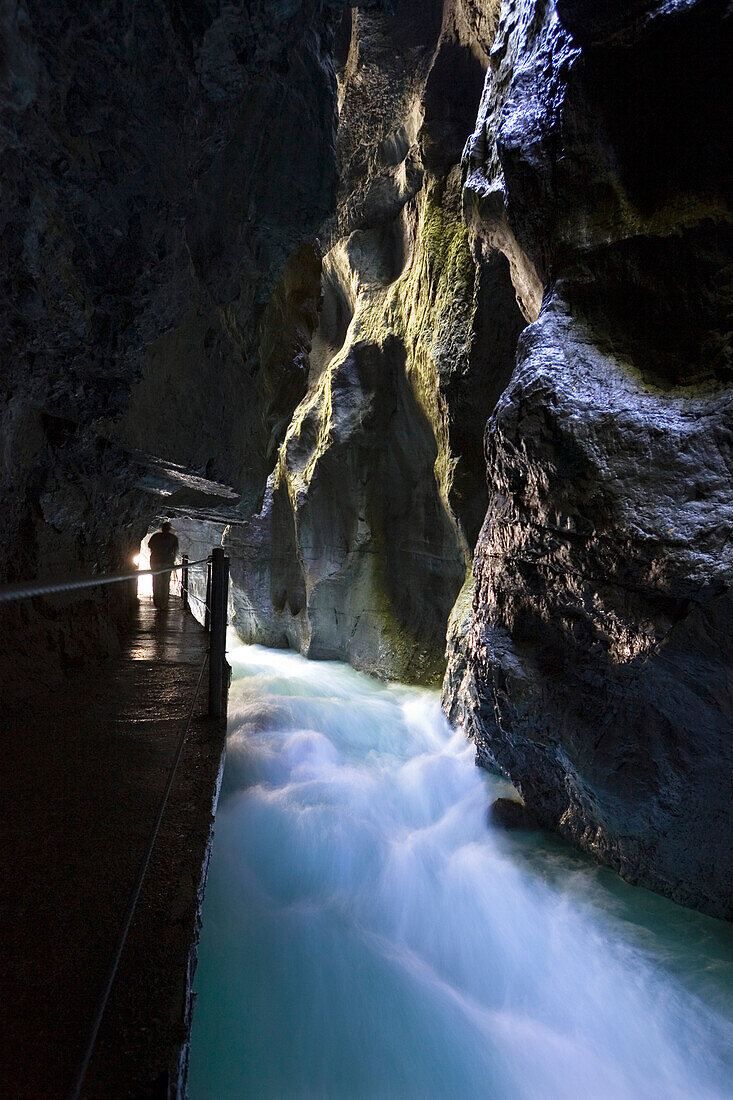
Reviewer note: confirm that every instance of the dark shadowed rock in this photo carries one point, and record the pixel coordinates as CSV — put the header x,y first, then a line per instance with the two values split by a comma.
x,y
508,813
164,166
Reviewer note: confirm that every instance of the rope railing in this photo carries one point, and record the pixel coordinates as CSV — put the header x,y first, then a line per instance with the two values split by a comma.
x,y
26,590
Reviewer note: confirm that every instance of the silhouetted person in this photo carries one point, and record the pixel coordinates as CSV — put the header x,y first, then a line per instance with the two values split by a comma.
x,y
163,546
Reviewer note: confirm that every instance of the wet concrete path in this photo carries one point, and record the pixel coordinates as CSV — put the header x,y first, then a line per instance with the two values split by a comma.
x,y
82,779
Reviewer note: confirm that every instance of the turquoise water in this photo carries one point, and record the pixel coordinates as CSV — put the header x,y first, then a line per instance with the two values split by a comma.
x,y
367,934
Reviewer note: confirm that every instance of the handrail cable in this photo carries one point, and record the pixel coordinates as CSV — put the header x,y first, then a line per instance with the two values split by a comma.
x,y
25,590
134,896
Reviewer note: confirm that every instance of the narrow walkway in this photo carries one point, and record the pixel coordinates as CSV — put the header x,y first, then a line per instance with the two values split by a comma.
x,y
82,778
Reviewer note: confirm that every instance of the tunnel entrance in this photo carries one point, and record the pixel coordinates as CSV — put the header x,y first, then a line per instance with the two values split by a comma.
x,y
142,561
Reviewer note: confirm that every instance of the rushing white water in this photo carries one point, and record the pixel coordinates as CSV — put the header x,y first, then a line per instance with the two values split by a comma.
x,y
367,934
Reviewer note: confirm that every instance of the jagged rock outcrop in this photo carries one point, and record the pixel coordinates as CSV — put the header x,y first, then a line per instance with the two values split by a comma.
x,y
378,494
164,168
594,666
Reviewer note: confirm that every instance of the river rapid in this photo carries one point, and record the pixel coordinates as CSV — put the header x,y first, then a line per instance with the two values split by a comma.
x,y
367,934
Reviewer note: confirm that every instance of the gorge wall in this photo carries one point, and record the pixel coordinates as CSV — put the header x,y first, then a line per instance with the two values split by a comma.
x,y
264,268
164,168
594,667
378,493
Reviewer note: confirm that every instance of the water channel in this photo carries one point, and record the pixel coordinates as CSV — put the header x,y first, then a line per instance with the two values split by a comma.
x,y
367,934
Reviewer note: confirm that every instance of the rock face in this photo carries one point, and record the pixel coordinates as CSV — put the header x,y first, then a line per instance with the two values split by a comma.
x,y
251,278
594,668
363,539
164,168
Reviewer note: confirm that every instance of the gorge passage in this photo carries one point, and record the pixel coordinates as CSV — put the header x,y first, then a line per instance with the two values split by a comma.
x,y
422,311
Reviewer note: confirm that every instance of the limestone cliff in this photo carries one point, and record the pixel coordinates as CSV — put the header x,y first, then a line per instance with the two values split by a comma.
x,y
370,515
594,668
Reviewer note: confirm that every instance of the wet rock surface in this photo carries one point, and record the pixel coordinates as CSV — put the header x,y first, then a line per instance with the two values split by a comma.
x,y
378,494
594,667
508,813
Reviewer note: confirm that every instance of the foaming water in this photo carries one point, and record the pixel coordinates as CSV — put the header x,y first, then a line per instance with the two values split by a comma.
x,y
367,934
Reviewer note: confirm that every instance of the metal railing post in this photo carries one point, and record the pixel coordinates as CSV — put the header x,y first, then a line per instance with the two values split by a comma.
x,y
184,579
207,606
218,667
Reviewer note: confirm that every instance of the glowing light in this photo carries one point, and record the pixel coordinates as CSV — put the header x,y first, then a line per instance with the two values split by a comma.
x,y
142,561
